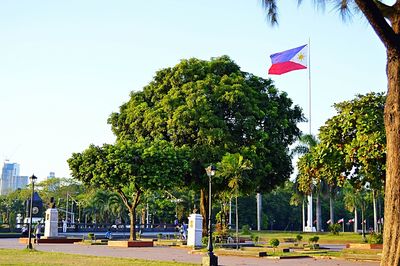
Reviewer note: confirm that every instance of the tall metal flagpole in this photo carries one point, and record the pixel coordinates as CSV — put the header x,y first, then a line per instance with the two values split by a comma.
x,y
310,197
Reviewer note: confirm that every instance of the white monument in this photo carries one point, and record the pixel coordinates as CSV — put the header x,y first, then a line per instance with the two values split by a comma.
x,y
195,230
19,220
51,223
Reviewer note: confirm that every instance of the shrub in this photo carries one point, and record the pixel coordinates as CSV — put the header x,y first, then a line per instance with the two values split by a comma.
x,y
204,240
313,242
299,238
375,238
274,243
313,239
90,236
334,228
246,229
255,238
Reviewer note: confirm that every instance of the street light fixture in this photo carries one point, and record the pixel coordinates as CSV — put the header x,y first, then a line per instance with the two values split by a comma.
x,y
212,259
33,179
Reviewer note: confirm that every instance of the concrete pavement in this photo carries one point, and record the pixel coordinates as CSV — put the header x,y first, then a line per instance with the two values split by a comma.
x,y
175,254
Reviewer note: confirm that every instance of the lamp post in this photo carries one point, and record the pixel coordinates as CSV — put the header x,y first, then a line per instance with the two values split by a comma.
x,y
211,259
33,179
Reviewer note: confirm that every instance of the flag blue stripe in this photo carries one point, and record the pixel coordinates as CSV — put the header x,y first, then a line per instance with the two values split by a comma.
x,y
285,55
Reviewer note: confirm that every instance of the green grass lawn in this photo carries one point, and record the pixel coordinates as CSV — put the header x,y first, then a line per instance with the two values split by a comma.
x,y
324,238
26,257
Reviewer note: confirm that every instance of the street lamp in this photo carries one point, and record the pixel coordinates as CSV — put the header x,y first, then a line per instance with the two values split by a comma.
x,y
32,178
212,259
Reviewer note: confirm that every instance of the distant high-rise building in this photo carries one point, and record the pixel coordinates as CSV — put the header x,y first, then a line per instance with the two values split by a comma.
x,y
51,175
10,178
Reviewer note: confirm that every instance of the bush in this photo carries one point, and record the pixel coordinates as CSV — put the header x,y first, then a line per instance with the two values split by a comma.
x,y
246,229
274,243
313,242
204,240
334,228
255,238
90,236
299,238
375,238
313,239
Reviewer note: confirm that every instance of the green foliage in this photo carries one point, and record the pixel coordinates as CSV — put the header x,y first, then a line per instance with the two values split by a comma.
x,y
131,169
299,238
274,242
375,238
352,146
255,238
204,240
213,108
313,239
246,229
334,228
91,236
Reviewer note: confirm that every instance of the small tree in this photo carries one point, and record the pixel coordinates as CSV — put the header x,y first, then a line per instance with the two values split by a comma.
x,y
334,229
299,238
274,243
130,169
232,167
313,241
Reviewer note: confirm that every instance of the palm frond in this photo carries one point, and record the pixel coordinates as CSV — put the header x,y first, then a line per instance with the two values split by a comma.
x,y
272,11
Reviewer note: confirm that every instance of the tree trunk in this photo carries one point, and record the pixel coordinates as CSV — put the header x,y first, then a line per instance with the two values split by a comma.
x,y
237,221
318,212
204,210
331,209
230,212
355,220
259,208
362,221
132,229
375,212
391,247
303,212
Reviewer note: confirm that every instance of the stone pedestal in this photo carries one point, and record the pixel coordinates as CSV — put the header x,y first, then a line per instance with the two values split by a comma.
x,y
51,223
310,229
195,230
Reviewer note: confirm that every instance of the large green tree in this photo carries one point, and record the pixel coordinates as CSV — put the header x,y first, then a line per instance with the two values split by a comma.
x,y
385,21
352,145
213,107
130,169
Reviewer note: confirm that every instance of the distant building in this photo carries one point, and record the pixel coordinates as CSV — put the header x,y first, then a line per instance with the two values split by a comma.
x,y
51,175
10,179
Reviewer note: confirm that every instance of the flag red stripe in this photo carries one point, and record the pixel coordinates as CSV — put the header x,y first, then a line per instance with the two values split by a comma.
x,y
282,68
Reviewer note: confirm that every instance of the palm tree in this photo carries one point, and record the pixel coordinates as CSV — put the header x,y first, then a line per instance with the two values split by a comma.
x,y
298,198
352,201
385,21
306,143
232,167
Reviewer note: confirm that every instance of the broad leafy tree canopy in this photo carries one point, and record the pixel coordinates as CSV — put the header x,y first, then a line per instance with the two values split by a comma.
x,y
353,145
139,166
213,107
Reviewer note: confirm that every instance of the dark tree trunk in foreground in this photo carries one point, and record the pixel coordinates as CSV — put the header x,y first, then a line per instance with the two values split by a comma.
x,y
391,247
378,15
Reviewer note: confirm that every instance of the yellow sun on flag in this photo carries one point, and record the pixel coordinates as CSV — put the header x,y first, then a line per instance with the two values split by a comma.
x,y
300,57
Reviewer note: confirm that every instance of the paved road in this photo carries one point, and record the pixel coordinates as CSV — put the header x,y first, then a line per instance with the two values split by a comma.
x,y
175,254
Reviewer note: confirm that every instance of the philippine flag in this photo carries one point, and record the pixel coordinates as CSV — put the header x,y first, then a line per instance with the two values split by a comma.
x,y
286,61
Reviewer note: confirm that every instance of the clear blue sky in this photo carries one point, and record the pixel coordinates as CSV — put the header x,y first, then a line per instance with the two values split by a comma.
x,y
66,65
